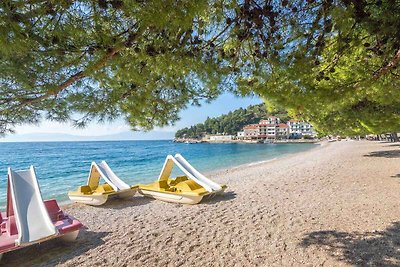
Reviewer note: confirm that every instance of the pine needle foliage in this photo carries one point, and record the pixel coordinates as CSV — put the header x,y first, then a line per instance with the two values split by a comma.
x,y
333,63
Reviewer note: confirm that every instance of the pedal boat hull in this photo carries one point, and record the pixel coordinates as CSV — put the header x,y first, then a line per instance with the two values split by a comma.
x,y
182,192
99,197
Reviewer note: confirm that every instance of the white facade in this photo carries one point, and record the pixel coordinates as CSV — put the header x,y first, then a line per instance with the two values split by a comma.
x,y
274,120
240,134
300,128
221,137
267,130
271,128
282,131
270,120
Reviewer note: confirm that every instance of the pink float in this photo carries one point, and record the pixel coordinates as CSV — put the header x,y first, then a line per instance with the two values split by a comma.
x,y
28,219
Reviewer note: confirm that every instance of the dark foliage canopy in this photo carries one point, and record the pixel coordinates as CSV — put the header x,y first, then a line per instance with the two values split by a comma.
x,y
331,62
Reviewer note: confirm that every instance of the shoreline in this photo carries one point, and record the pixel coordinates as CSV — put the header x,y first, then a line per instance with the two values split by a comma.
x,y
335,205
215,172
127,168
246,141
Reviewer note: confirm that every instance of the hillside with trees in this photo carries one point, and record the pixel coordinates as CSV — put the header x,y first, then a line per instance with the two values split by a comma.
x,y
230,123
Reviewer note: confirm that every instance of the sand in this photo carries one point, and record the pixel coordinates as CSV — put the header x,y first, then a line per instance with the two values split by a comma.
x,y
336,205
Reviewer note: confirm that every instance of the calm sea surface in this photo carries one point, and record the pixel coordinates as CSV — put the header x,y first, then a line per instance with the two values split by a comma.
x,y
62,166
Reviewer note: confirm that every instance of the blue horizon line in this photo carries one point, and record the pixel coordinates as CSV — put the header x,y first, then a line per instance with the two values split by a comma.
x,y
73,141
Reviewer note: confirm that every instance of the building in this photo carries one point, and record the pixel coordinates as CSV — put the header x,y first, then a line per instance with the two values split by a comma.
x,y
308,130
282,131
272,128
267,130
251,131
271,120
240,135
220,138
298,129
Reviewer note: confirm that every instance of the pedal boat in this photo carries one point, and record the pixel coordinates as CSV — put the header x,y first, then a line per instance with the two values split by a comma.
x,y
97,194
189,189
28,219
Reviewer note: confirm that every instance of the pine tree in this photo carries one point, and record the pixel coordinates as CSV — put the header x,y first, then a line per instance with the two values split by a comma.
x,y
331,62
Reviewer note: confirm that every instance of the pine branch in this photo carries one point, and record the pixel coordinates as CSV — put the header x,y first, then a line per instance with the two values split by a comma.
x,y
391,65
112,53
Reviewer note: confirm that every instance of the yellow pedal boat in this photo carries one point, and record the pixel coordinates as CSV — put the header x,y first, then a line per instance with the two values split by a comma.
x,y
188,189
96,194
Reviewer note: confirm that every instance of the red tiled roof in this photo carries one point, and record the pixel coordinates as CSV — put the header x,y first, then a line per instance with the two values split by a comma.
x,y
270,118
283,125
293,120
251,126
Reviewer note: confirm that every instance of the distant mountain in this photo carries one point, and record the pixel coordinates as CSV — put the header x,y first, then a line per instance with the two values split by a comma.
x,y
54,137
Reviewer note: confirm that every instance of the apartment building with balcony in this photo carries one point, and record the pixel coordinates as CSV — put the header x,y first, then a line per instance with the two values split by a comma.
x,y
298,129
282,131
267,130
251,131
272,128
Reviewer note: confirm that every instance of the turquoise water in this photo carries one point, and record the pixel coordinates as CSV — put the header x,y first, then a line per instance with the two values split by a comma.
x,y
62,166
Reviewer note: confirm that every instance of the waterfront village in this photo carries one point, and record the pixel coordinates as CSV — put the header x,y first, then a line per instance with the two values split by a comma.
x,y
270,130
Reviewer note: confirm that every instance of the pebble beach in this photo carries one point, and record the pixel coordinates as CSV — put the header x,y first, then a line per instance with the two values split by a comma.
x,y
335,205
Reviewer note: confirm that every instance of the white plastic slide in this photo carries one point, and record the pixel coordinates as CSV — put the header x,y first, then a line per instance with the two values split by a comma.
x,y
196,173
109,176
188,170
33,221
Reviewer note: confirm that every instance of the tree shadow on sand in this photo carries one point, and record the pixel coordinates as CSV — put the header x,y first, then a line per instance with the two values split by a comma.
x,y
118,203
384,154
54,251
394,145
218,198
378,248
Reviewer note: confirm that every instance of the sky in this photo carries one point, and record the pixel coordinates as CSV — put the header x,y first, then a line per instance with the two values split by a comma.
x,y
192,115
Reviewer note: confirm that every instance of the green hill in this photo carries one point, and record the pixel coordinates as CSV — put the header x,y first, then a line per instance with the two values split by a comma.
x,y
230,123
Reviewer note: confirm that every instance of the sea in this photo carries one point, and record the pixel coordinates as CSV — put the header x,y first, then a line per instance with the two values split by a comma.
x,y
63,166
